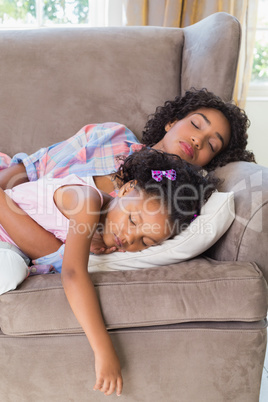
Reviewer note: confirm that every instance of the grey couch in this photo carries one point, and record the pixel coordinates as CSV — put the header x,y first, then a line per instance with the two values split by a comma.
x,y
194,331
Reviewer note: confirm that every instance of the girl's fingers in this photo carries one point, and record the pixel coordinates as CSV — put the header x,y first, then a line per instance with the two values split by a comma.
x,y
107,250
111,388
119,386
103,250
110,250
108,387
105,387
98,385
98,251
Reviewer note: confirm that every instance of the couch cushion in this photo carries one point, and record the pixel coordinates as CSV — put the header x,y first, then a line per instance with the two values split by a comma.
x,y
192,291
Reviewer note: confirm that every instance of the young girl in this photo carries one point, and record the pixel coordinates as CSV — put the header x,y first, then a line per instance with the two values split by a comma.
x,y
159,195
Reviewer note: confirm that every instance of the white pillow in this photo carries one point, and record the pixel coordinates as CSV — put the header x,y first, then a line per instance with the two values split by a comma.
x,y
215,218
13,269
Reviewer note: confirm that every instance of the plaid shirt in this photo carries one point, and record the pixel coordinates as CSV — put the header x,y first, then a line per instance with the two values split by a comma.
x,y
92,151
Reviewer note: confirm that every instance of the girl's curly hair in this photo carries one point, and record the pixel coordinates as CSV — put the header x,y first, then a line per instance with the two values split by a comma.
x,y
182,197
194,99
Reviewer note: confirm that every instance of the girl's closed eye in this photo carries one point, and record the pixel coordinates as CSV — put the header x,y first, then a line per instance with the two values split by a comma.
x,y
144,244
131,221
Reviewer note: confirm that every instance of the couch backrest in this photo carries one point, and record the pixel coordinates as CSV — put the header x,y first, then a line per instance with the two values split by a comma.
x,y
54,81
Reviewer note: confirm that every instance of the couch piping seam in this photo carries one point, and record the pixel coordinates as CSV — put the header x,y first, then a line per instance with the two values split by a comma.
x,y
257,330
141,323
194,282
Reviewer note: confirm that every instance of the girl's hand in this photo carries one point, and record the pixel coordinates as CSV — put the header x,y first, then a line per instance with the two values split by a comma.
x,y
78,286
97,245
108,373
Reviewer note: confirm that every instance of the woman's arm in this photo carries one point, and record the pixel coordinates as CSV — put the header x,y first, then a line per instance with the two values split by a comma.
x,y
30,237
77,283
12,176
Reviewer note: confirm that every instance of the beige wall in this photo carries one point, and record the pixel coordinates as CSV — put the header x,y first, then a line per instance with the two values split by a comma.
x,y
257,111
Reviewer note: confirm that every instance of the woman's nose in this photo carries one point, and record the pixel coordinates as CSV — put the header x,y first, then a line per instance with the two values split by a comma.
x,y
197,142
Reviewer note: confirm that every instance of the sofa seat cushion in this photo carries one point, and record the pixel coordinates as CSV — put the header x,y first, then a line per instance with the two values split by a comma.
x,y
197,290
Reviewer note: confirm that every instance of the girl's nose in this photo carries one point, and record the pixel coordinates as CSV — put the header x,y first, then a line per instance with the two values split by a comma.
x,y
130,238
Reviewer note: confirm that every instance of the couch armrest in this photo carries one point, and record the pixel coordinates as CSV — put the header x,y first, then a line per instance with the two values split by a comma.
x,y
247,238
220,35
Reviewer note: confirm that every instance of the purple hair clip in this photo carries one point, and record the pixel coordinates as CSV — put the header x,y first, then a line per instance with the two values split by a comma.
x,y
158,175
195,216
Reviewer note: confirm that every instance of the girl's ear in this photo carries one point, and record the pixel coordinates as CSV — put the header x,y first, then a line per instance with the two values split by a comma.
x,y
126,188
169,125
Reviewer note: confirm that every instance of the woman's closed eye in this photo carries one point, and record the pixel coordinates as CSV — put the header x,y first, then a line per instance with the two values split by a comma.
x,y
210,144
214,144
212,148
194,125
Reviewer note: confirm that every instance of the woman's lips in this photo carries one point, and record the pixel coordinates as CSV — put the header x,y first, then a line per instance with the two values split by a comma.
x,y
118,241
187,149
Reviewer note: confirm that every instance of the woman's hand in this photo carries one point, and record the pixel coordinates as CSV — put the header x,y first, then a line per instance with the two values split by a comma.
x,y
108,373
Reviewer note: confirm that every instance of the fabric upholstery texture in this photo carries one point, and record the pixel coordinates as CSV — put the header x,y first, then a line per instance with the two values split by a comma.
x,y
196,290
247,238
62,85
56,94
198,70
193,331
61,367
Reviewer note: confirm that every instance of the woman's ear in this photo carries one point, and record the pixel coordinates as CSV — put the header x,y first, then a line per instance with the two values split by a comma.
x,y
169,125
126,188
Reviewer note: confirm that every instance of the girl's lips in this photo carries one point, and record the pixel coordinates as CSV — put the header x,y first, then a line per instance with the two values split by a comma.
x,y
187,149
118,241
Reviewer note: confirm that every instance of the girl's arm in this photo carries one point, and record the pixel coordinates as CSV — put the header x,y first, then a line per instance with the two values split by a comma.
x,y
86,204
12,176
30,237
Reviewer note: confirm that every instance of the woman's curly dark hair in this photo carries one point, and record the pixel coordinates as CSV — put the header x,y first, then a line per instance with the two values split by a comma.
x,y
182,197
194,99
